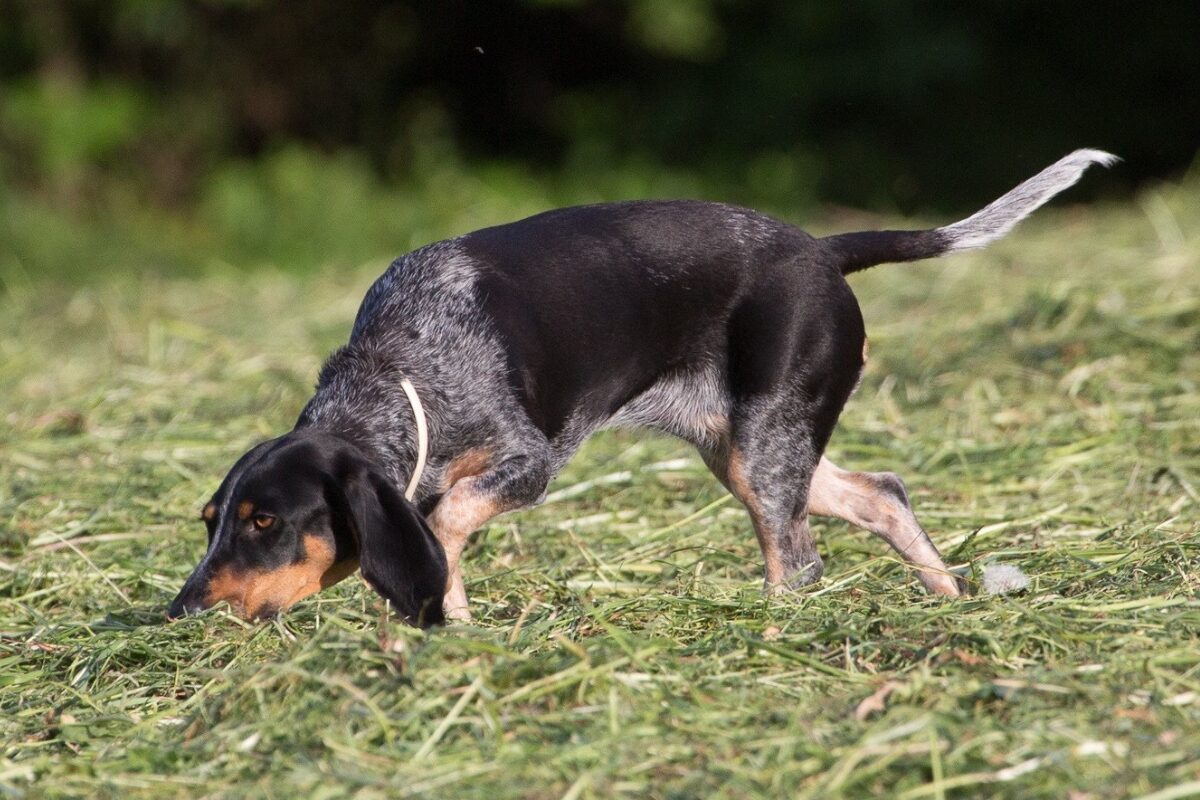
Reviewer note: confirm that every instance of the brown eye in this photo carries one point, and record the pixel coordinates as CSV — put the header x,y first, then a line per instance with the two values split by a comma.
x,y
263,521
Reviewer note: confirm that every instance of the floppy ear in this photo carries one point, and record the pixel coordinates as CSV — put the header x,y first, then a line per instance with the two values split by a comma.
x,y
399,556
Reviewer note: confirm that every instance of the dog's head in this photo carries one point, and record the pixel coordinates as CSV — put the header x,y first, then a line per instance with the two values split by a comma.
x,y
299,513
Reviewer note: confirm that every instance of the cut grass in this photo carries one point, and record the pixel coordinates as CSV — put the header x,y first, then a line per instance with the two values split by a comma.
x,y
1040,399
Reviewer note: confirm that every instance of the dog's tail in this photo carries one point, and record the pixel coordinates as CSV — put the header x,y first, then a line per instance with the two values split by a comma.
x,y
856,251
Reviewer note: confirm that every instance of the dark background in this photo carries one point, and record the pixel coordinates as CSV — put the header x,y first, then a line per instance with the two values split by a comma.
x,y
892,106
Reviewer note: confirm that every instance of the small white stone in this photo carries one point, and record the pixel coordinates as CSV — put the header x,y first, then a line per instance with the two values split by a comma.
x,y
249,743
1004,579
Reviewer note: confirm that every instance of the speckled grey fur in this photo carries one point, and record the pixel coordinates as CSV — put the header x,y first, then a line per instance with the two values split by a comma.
x,y
421,320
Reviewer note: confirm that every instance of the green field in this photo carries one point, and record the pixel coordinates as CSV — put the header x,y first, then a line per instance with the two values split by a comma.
x,y
1040,398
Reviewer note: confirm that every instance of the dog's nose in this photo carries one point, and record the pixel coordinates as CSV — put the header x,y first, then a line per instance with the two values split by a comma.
x,y
182,608
177,608
188,601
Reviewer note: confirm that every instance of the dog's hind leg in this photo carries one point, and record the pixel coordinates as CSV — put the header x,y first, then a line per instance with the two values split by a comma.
x,y
795,354
878,502
790,556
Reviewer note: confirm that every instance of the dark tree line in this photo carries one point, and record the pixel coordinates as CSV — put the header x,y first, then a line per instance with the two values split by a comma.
x,y
881,99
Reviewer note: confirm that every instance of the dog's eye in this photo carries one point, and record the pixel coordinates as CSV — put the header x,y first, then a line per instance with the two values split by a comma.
x,y
263,521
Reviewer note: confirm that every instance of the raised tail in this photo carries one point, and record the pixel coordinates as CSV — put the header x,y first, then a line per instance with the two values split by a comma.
x,y
857,251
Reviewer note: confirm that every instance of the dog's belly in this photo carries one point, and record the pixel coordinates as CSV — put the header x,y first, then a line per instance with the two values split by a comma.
x,y
693,404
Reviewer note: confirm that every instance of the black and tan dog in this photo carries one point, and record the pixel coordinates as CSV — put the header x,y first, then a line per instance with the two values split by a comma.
x,y
478,365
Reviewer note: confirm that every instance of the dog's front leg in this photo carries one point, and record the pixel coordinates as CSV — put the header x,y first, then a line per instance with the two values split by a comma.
x,y
459,513
511,484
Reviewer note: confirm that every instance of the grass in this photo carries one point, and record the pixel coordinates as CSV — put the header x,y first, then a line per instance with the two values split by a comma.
x,y
1040,399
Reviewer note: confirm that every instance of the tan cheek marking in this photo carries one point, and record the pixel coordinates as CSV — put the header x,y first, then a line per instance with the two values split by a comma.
x,y
321,555
466,465
209,512
251,592
281,587
227,586
305,577
245,509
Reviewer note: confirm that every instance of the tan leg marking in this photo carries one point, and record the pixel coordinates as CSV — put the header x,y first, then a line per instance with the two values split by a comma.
x,y
470,463
858,498
253,592
739,484
459,513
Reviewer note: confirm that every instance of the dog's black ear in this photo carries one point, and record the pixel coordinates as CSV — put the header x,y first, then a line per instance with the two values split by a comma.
x,y
397,552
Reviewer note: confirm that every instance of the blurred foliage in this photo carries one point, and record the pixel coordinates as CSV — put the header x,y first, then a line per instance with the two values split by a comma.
x,y
291,132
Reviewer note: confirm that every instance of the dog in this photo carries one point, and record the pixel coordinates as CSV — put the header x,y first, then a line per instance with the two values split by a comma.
x,y
478,365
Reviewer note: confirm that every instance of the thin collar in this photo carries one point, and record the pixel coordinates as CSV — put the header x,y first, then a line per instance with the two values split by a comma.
x,y
422,437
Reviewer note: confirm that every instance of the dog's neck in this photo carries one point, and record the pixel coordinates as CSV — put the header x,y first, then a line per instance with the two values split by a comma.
x,y
381,422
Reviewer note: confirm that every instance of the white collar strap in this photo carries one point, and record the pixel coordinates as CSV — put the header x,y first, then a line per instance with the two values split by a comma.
x,y
422,437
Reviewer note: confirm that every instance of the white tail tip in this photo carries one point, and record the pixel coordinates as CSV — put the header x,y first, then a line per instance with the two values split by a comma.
x,y
1001,216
